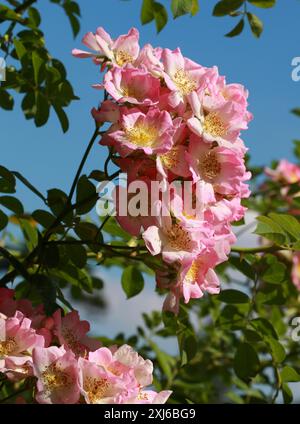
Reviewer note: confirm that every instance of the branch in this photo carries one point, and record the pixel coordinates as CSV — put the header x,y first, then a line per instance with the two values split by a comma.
x,y
258,249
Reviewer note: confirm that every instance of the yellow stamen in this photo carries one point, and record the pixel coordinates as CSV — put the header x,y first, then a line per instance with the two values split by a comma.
x,y
95,388
7,346
122,57
193,272
171,158
54,378
214,126
179,238
209,166
142,135
184,82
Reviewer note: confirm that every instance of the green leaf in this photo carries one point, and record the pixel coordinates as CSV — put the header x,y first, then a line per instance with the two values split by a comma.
x,y
42,109
276,349
50,257
46,290
289,374
263,3
30,233
233,297
63,119
57,200
12,204
34,16
86,194
20,49
275,272
77,254
132,281
288,222
44,218
187,345
6,100
296,111
181,7
160,16
37,63
246,361
224,7
7,181
3,220
264,327
243,266
147,14
286,393
256,24
266,227
75,276
237,29
195,7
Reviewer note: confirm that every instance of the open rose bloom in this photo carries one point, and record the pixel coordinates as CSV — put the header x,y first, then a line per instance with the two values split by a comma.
x,y
74,368
172,120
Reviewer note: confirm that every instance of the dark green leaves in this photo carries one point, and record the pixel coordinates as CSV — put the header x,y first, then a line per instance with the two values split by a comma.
x,y
289,374
3,220
283,229
153,10
262,3
6,100
183,7
225,7
12,204
256,24
7,181
132,281
237,29
233,296
86,195
246,362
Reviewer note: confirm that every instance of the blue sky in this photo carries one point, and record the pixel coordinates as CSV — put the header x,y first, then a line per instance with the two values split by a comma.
x,y
49,158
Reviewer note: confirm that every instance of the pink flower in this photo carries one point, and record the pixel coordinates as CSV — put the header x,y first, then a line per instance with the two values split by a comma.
x,y
285,171
136,86
182,76
123,50
57,372
71,333
149,58
295,275
107,112
151,397
150,133
173,163
175,241
17,340
99,386
220,121
222,170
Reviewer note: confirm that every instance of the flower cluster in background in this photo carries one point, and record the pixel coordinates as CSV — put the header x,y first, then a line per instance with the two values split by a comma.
x,y
62,364
172,119
287,174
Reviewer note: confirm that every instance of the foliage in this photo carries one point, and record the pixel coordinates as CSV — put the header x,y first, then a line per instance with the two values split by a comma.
x,y
233,347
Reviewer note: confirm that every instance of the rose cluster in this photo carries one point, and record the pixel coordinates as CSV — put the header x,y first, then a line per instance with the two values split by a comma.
x,y
286,174
172,119
62,364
